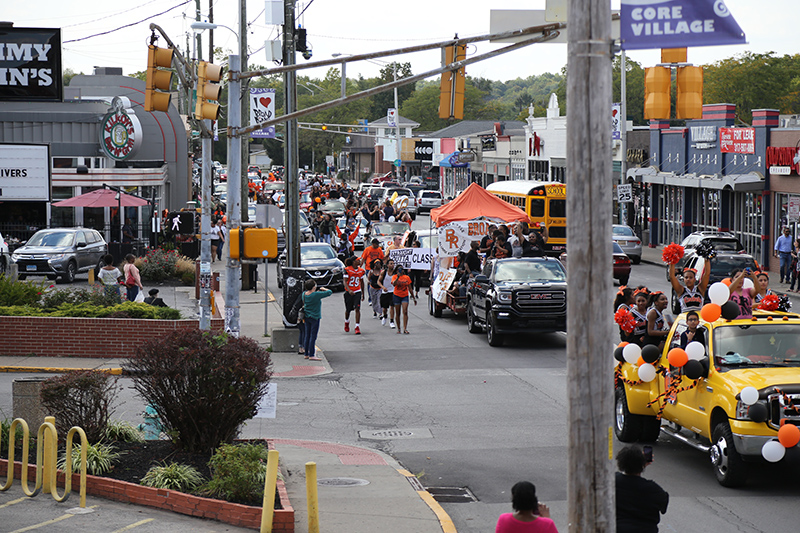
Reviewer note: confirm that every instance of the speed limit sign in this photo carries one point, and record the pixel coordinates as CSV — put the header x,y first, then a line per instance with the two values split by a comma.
x,y
625,193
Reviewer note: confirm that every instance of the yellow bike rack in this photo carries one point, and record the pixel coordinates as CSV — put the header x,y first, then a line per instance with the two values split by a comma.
x,y
46,459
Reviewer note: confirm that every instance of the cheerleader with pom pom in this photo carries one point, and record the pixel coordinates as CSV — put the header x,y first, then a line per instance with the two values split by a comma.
x,y
641,300
657,327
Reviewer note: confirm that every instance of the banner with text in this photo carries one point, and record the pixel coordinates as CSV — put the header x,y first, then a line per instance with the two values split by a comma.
x,y
677,24
262,109
30,64
737,140
456,236
442,282
412,258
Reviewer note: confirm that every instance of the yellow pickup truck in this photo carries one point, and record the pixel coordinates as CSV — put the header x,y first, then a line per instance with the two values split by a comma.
x,y
708,412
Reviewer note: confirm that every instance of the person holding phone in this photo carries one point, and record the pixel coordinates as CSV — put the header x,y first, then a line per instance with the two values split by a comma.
x,y
640,501
529,515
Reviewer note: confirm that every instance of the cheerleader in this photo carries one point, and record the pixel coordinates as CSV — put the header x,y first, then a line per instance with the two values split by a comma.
x,y
641,299
690,294
657,327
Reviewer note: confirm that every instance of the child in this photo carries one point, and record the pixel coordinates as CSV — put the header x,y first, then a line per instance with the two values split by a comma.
x,y
693,333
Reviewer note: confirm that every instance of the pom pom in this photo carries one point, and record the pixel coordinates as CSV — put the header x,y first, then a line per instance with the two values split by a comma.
x,y
672,253
625,320
784,304
705,250
770,302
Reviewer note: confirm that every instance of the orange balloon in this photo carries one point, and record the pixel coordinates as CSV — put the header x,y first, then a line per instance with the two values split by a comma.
x,y
677,357
710,312
789,435
727,281
623,344
640,362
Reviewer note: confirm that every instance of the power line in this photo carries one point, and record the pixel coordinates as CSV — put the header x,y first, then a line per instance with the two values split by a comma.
x,y
109,16
128,25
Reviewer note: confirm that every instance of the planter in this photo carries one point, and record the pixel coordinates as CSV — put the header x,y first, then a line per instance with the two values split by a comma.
x,y
85,337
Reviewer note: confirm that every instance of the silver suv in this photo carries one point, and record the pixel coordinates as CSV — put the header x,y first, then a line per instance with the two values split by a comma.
x,y
60,252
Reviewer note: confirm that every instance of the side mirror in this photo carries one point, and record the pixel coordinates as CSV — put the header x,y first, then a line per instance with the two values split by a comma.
x,y
480,278
81,245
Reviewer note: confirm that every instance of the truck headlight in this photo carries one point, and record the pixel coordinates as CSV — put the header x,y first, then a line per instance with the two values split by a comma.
x,y
504,297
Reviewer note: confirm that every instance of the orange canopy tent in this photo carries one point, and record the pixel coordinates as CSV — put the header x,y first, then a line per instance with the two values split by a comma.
x,y
476,202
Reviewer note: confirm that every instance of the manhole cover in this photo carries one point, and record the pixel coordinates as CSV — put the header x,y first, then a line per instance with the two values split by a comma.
x,y
342,482
452,494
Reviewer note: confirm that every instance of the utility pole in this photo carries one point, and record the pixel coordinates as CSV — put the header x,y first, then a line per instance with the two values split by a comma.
x,y
211,31
590,478
291,151
232,322
396,125
205,230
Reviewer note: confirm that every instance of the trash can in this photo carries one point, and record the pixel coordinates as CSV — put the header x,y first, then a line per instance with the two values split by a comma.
x,y
27,401
293,280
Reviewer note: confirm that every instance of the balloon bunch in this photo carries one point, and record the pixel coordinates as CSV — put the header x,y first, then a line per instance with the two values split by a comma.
x,y
625,320
720,306
788,435
770,302
705,250
672,253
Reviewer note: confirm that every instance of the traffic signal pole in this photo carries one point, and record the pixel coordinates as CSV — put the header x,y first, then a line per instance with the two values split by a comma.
x,y
234,212
292,155
205,232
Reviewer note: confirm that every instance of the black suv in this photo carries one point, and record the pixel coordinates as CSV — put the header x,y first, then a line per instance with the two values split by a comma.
x,y
722,241
518,295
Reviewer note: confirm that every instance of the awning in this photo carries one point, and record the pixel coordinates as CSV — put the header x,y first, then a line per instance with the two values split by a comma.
x,y
451,161
752,181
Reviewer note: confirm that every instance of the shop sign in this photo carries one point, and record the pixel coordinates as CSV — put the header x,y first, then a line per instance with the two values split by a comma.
x,y
423,150
737,140
783,156
793,207
466,157
488,143
30,64
780,171
704,137
24,172
120,133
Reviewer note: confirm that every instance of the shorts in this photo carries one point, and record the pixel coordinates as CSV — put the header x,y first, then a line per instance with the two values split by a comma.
x,y
352,301
397,300
387,300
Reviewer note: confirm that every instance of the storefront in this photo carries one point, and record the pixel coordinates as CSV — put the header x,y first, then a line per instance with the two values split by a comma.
x,y
783,164
545,149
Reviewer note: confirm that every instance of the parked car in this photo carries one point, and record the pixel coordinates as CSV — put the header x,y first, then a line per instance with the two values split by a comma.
x,y
622,265
722,241
721,267
628,241
429,200
385,231
60,253
321,264
523,295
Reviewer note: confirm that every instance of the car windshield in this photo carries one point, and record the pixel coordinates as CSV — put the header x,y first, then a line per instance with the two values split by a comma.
x,y
400,192
431,195
618,249
52,238
726,245
737,346
331,205
301,216
375,193
523,271
389,228
428,241
273,185
622,231
315,253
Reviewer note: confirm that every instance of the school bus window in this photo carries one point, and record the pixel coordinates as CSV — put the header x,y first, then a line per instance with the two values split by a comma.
x,y
537,208
558,208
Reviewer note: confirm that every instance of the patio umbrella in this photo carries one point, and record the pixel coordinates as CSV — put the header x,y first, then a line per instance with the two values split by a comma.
x,y
102,198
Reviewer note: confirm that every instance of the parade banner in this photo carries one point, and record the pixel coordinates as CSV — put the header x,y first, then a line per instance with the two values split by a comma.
x,y
412,258
442,282
262,109
456,236
677,24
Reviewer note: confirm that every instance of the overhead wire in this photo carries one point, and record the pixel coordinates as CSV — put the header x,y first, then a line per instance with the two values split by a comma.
x,y
108,16
127,25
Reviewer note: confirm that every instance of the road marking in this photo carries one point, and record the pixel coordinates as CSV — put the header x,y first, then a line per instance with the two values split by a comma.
x,y
12,502
135,524
47,523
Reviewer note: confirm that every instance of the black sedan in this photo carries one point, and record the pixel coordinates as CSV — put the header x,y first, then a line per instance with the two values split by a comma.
x,y
320,263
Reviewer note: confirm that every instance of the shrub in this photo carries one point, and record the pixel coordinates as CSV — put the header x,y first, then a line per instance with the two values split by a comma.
x,y
187,278
122,431
238,473
15,292
158,265
82,399
5,435
56,298
92,310
100,458
173,476
203,386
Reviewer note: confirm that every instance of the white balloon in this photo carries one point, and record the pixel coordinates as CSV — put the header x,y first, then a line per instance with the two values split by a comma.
x,y
631,353
749,395
748,283
719,293
773,451
647,372
695,350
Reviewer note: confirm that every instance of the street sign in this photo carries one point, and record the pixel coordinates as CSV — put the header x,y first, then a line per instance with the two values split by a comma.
x,y
397,162
793,208
625,193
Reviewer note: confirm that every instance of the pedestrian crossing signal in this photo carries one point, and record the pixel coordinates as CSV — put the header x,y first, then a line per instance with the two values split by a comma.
x,y
181,222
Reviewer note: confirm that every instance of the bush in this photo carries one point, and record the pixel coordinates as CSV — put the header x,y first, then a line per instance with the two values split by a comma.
x,y
92,310
121,431
15,292
238,473
82,399
173,476
100,458
5,435
158,265
203,386
56,298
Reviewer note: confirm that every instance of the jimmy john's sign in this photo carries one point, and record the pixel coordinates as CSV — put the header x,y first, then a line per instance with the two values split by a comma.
x,y
30,64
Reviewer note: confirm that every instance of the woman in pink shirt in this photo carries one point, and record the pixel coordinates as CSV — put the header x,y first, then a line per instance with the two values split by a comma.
x,y
744,297
529,515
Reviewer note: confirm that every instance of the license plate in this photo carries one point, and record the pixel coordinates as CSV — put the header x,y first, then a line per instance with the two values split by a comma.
x,y
558,247
31,268
622,243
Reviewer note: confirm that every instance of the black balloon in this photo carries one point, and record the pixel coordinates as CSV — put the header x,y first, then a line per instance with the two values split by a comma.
x,y
730,310
618,354
651,353
693,369
758,412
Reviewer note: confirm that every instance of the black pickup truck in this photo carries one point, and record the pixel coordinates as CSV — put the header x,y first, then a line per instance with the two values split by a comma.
x,y
518,295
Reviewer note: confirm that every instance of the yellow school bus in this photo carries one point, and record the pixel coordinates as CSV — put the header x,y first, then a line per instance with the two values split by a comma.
x,y
544,201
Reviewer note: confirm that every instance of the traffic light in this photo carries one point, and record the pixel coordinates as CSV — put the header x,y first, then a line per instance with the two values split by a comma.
x,y
157,80
657,81
181,222
451,93
253,243
208,75
690,93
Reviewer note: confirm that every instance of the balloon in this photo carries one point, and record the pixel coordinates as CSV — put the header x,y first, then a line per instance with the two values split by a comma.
x,y
640,361
747,284
651,353
693,369
730,310
695,350
647,372
788,435
677,357
773,451
618,354
710,312
726,281
758,412
631,353
719,293
749,395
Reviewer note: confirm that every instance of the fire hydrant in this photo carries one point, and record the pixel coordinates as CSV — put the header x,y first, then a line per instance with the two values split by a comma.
x,y
152,427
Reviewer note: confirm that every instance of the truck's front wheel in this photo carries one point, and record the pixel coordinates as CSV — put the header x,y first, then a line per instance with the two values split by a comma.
x,y
627,427
729,467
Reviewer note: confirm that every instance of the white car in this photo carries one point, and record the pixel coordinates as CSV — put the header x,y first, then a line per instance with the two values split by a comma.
x,y
358,242
428,200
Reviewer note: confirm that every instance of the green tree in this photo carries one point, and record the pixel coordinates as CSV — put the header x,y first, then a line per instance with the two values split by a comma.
x,y
634,82
68,74
383,101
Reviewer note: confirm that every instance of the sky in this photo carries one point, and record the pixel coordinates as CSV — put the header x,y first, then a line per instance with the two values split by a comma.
x,y
352,27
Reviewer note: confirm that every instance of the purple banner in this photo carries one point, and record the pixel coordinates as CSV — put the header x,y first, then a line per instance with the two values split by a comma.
x,y
677,24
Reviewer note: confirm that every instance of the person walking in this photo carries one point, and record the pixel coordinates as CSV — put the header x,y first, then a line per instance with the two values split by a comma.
x,y
312,308
132,279
223,236
401,294
110,277
353,292
795,265
529,515
387,293
326,228
375,287
783,250
640,501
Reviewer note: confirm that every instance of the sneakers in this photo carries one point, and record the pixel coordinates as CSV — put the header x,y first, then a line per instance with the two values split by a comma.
x,y
357,331
374,315
346,327
391,324
383,321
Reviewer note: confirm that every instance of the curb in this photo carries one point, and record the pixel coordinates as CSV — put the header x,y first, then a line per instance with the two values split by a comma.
x,y
444,519
57,370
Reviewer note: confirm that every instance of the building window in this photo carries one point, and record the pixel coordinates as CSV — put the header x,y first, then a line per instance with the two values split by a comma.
x,y
538,170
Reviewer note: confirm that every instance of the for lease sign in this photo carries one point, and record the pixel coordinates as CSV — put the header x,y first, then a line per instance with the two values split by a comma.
x,y
737,140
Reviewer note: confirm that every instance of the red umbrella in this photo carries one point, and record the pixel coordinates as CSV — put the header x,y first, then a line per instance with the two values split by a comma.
x,y
102,198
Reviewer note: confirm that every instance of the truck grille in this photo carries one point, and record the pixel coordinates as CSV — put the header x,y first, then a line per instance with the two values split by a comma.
x,y
541,301
783,406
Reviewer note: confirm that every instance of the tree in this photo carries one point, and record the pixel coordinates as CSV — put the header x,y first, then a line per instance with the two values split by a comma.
x,y
383,101
68,74
634,82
